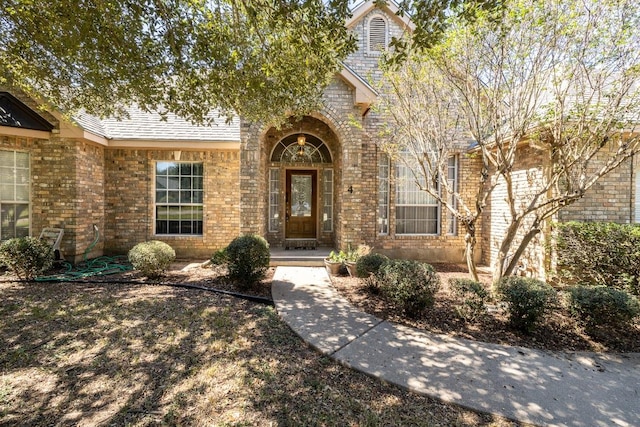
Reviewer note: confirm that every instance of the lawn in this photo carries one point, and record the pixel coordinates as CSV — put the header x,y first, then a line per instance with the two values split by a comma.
x,y
143,354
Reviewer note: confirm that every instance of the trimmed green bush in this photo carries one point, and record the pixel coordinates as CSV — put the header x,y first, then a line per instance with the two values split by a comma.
x,y
248,259
601,305
26,257
219,257
599,253
152,258
528,300
474,297
410,285
369,264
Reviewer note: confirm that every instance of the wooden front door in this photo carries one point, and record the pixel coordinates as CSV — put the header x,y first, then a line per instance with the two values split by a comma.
x,y
301,204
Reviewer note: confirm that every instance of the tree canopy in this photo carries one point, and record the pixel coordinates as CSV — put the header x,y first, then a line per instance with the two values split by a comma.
x,y
262,59
561,76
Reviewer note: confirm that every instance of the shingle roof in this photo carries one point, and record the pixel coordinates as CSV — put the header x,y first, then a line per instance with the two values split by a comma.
x,y
150,126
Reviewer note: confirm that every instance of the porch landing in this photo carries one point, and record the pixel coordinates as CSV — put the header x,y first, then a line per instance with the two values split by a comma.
x,y
299,257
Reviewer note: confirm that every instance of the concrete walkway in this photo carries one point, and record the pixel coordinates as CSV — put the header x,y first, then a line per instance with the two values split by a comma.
x,y
539,387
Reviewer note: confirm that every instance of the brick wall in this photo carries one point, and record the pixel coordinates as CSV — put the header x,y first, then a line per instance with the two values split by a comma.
x,y
66,189
610,199
129,200
527,177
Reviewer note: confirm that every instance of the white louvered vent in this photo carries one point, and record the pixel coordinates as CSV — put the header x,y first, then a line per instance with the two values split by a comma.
x,y
377,35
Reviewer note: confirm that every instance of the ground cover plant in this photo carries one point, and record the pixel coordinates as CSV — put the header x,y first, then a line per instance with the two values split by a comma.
x,y
129,352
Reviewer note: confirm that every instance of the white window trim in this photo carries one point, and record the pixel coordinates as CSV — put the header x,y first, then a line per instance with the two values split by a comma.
x,y
453,222
27,202
274,194
435,205
384,158
156,204
327,201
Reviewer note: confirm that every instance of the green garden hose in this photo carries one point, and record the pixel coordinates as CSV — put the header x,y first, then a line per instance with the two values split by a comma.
x,y
87,268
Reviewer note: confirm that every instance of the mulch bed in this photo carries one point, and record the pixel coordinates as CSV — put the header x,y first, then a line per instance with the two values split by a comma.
x,y
557,332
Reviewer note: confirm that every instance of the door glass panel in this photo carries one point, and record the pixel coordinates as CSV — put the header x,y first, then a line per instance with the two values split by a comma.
x,y
301,195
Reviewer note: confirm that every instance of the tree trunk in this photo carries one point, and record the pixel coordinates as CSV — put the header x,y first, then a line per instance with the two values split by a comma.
x,y
470,246
520,250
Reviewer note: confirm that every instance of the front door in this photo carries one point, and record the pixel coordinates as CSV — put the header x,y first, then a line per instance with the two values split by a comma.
x,y
301,204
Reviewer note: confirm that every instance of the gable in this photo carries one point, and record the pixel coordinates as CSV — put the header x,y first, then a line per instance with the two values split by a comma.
x,y
14,113
390,10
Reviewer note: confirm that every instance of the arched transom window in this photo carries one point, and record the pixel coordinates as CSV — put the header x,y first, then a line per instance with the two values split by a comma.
x,y
292,149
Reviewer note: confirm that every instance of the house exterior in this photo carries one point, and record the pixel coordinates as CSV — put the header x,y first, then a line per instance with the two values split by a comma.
x,y
320,181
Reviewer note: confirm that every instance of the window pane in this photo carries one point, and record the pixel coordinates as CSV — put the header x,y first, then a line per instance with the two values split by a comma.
x,y
197,213
185,227
162,168
197,183
22,193
22,220
174,227
383,194
173,183
162,213
417,212
22,160
173,196
184,190
161,183
7,158
327,211
274,199
7,192
185,197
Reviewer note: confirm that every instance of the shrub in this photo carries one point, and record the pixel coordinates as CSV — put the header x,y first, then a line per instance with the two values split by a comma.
x,y
528,300
151,258
598,253
410,285
247,259
601,305
220,257
369,264
474,297
26,256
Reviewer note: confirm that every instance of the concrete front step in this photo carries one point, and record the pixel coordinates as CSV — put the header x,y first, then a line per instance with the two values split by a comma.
x,y
299,257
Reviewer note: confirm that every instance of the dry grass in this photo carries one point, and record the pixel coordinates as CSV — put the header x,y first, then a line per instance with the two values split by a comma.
x,y
143,354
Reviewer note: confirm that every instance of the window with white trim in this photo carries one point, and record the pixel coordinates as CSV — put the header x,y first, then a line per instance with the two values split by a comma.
x,y
378,39
327,204
179,198
452,178
417,212
14,194
383,194
274,199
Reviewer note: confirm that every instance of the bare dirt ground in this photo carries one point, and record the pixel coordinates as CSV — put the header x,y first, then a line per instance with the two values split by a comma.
x,y
120,350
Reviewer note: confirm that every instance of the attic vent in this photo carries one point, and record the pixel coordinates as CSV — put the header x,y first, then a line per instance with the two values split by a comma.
x,y
377,34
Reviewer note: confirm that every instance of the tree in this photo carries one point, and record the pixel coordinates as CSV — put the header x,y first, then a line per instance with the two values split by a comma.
x,y
261,59
561,75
